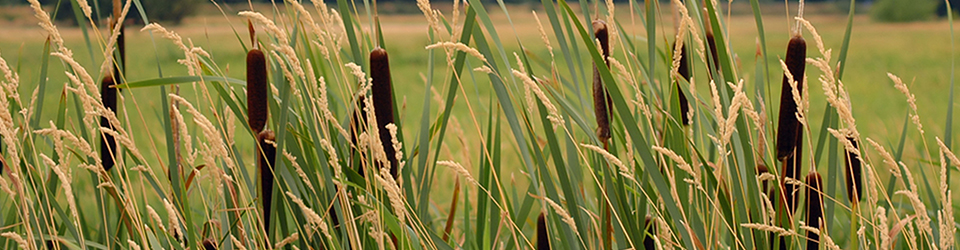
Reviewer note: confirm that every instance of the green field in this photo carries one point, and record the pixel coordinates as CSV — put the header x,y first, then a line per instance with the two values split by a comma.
x,y
923,54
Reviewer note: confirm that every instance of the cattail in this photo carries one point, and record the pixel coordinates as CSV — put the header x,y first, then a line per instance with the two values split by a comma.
x,y
383,103
357,127
788,125
762,169
209,244
853,174
543,238
684,71
711,42
651,231
266,155
601,101
814,208
257,89
108,144
791,170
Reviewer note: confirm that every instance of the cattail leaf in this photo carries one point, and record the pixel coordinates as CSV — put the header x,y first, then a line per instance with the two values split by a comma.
x,y
176,80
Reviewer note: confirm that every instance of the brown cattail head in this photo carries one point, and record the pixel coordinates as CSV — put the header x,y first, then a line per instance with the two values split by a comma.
x,y
684,71
209,244
601,101
382,92
266,155
358,125
711,42
257,90
108,145
788,125
853,174
543,237
814,207
651,231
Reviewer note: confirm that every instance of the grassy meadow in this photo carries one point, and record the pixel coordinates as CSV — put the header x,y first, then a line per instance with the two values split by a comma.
x,y
498,205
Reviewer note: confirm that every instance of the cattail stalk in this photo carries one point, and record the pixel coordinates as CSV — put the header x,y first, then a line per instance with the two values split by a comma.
x,y
814,208
543,237
266,156
684,71
853,174
257,88
108,144
601,101
382,91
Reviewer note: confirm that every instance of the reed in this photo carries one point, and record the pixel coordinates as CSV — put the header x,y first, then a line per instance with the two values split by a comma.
x,y
814,201
543,237
382,94
108,144
266,156
853,171
601,100
257,87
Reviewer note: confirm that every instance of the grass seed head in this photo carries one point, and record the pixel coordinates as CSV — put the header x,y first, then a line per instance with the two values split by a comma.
x,y
257,90
788,125
266,156
814,208
543,238
601,101
108,144
854,176
382,91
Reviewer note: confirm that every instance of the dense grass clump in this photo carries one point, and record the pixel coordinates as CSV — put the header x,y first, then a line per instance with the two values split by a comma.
x,y
321,146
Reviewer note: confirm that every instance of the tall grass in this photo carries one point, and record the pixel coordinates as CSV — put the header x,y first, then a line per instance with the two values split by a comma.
x,y
336,168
